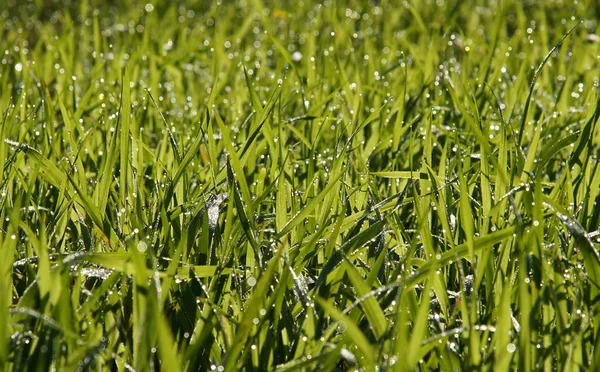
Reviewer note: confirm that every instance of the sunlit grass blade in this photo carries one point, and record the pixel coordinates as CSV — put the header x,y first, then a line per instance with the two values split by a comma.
x,y
355,242
245,217
251,312
309,208
536,75
352,332
302,186
124,116
370,306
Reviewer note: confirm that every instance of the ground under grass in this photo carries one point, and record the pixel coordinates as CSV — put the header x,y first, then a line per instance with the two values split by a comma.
x,y
302,185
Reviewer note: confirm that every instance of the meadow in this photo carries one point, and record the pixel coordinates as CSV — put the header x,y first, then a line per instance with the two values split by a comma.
x,y
313,185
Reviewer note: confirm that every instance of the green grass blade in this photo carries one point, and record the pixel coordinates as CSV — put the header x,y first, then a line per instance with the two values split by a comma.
x,y
370,307
309,208
352,332
125,119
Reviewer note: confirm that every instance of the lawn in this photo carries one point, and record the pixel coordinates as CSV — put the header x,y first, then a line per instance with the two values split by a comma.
x,y
278,185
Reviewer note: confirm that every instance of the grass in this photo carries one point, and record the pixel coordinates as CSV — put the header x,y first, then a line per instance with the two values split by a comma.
x,y
298,186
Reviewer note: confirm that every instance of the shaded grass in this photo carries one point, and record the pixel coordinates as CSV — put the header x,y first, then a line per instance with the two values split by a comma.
x,y
263,186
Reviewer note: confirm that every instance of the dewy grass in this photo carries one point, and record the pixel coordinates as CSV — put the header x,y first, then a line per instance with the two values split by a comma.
x,y
266,185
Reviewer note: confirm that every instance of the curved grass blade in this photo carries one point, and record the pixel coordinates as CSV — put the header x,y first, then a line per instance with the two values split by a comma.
x,y
458,252
535,77
309,208
247,223
251,312
357,241
370,306
352,332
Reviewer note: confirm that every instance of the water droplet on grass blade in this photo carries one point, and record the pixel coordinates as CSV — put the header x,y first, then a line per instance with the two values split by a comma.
x,y
213,209
142,246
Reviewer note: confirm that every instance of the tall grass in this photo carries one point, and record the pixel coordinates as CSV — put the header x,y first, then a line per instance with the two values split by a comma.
x,y
298,186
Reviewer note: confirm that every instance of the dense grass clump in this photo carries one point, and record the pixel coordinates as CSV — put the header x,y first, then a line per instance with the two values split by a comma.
x,y
305,185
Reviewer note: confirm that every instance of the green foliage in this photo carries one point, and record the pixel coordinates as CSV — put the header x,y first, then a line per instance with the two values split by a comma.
x,y
271,185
